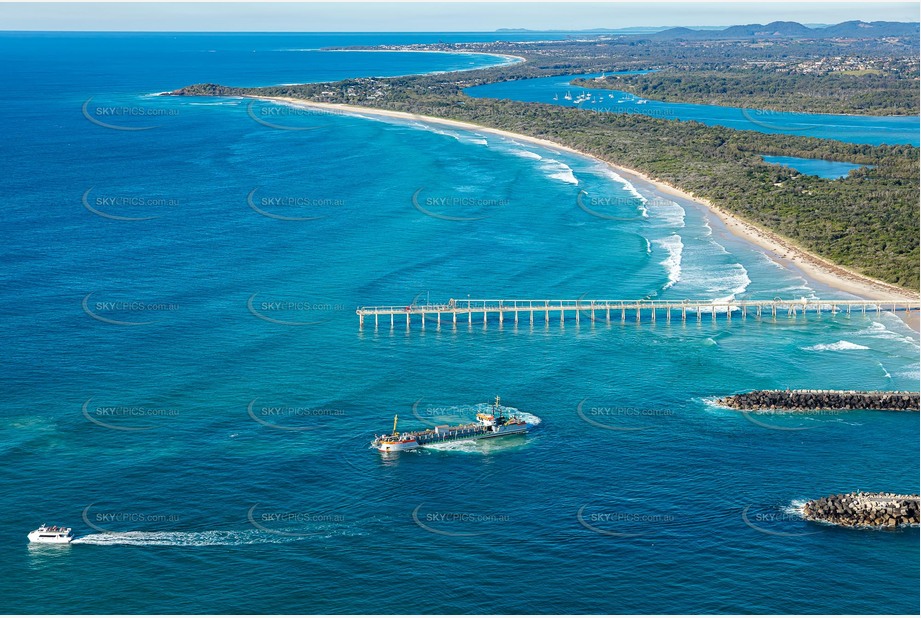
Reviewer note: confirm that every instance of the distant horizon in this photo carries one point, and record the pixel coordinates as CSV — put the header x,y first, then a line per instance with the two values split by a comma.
x,y
814,26
420,17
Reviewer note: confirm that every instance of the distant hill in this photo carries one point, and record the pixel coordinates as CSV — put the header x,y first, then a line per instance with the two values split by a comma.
x,y
792,29
861,29
775,28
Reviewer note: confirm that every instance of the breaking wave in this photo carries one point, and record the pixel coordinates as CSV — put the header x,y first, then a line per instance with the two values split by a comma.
x,y
879,331
526,154
721,282
885,371
672,263
795,507
670,213
559,171
628,186
836,347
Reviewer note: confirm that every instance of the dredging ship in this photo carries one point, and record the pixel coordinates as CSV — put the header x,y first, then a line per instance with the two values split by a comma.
x,y
491,424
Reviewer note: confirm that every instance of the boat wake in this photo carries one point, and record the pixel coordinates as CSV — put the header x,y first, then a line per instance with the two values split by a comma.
x,y
530,419
484,446
461,446
527,417
182,539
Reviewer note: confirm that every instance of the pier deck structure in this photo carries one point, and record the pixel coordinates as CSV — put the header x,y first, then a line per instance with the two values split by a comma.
x,y
607,311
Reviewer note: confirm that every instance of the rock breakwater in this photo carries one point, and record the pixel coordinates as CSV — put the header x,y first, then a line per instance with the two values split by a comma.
x,y
856,509
822,400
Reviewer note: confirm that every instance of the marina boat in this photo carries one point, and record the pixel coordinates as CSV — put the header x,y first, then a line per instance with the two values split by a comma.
x,y
493,423
51,534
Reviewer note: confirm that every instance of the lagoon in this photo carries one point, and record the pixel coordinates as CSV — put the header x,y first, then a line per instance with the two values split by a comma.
x,y
873,130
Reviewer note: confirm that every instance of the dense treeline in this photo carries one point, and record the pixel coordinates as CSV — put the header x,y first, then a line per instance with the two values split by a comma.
x,y
867,93
867,221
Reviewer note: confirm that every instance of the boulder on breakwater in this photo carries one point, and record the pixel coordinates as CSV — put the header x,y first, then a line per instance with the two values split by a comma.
x,y
870,510
822,400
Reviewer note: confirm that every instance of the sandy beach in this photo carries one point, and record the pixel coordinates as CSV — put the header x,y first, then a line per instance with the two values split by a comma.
x,y
780,249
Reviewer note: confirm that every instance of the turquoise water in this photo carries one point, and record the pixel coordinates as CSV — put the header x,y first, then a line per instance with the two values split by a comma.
x,y
873,130
211,460
815,167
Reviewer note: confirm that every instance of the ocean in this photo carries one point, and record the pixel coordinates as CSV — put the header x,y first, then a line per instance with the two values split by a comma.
x,y
187,387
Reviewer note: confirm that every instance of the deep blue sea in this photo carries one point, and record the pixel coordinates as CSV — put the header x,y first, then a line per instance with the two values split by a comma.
x,y
558,90
185,383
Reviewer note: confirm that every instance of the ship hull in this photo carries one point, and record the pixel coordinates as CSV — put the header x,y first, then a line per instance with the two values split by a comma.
x,y
390,447
491,423
35,537
395,447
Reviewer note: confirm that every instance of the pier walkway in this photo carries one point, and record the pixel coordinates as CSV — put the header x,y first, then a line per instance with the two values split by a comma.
x,y
608,311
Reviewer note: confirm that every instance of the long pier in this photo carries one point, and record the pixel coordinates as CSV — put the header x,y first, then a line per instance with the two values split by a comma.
x,y
608,311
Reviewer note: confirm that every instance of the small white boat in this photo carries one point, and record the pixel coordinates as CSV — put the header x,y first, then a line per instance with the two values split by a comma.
x,y
51,534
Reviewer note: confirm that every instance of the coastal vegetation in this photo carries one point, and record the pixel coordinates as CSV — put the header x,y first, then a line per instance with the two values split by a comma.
x,y
866,221
789,67
862,92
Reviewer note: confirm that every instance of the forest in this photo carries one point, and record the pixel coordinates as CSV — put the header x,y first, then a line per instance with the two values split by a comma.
x,y
858,92
867,221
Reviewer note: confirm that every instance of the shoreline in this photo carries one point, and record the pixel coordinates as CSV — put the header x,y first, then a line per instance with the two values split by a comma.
x,y
787,253
510,58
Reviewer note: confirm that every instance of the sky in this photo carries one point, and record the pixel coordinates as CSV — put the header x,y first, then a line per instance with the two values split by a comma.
x,y
429,16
